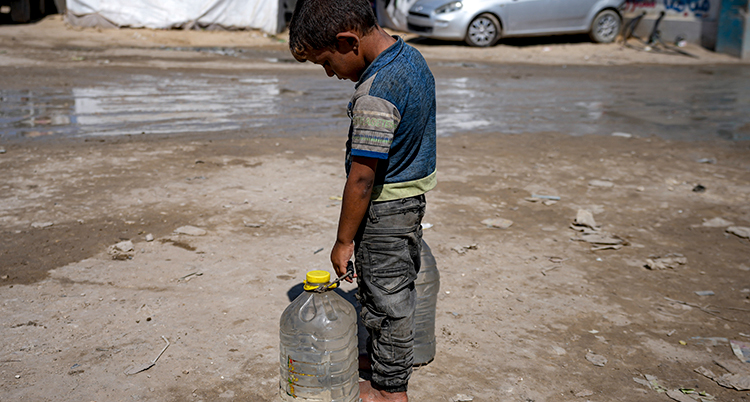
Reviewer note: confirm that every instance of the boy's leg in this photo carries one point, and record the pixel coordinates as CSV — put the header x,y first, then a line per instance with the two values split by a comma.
x,y
388,258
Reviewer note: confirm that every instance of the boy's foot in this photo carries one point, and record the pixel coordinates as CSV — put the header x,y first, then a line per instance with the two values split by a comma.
x,y
369,394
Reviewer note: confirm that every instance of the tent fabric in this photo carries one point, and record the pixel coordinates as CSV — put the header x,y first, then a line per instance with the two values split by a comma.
x,y
165,14
392,13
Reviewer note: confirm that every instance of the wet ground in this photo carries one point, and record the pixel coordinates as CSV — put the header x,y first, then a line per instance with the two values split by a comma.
x,y
254,157
682,103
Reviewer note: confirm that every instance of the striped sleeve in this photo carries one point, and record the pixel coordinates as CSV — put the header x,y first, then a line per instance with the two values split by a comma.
x,y
374,122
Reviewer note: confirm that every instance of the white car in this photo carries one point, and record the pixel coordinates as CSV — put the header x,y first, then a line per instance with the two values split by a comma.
x,y
483,22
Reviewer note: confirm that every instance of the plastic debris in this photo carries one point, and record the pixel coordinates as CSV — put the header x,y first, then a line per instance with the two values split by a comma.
x,y
462,398
622,135
741,350
740,231
190,231
707,160
669,261
705,292
426,226
498,223
601,183
595,359
149,237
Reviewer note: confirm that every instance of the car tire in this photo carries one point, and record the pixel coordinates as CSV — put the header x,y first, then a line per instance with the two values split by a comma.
x,y
605,27
483,31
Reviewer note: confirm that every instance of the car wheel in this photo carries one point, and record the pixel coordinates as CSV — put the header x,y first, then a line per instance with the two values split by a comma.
x,y
606,27
483,31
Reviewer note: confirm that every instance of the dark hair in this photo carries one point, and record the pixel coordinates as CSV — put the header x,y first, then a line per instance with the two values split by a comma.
x,y
316,23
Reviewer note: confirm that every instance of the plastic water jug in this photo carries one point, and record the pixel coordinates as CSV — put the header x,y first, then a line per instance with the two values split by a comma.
x,y
428,286
319,346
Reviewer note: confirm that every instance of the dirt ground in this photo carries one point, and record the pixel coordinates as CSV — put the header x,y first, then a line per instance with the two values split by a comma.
x,y
519,310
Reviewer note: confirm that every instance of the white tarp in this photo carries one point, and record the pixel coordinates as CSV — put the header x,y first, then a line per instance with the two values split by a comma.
x,y
392,13
156,14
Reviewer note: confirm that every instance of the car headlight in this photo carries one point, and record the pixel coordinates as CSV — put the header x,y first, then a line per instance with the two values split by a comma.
x,y
449,8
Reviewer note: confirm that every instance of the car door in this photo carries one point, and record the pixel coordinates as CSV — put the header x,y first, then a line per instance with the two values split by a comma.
x,y
539,16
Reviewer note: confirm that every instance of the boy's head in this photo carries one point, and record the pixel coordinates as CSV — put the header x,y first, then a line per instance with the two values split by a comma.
x,y
327,25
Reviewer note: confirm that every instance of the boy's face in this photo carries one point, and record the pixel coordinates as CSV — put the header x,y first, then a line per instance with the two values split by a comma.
x,y
345,62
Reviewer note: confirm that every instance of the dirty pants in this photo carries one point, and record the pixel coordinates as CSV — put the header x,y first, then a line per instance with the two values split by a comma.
x,y
387,258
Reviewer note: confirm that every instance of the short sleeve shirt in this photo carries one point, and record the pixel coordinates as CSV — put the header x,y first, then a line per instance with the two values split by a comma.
x,y
392,116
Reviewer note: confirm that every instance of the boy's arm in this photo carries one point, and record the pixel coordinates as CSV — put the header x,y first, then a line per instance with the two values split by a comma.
x,y
355,201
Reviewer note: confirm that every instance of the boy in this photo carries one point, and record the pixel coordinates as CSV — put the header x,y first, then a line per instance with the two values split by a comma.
x,y
390,164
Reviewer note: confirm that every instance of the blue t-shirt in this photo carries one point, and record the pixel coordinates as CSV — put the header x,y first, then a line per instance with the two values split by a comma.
x,y
393,119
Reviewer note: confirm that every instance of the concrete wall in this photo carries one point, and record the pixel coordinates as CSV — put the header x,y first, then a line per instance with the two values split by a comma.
x,y
694,20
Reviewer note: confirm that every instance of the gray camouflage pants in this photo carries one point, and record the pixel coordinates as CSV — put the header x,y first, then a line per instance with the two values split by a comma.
x,y
387,259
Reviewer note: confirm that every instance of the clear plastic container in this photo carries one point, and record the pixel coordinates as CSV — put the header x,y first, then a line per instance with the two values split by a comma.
x,y
428,286
318,358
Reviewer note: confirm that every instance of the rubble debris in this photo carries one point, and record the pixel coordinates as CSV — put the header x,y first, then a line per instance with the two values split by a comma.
x,y
740,382
41,225
651,382
595,359
461,250
498,223
123,250
716,223
585,219
740,231
190,231
669,261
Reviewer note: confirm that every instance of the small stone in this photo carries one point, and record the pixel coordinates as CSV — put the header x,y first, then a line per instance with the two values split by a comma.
x,y
716,223
498,223
18,376
740,231
2,150
595,359
190,231
41,225
124,246
584,217
149,237
584,393
640,189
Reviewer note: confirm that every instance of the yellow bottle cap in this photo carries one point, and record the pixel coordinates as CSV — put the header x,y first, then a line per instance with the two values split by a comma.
x,y
317,277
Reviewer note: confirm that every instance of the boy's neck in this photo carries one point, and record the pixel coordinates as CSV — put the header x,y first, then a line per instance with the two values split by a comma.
x,y
374,43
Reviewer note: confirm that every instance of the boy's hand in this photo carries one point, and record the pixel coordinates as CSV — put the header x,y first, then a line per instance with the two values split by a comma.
x,y
340,256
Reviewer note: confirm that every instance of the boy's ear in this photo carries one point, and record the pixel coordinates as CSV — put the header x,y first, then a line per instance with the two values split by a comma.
x,y
347,41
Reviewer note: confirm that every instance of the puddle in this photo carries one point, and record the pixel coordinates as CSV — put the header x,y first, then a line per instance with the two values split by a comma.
x,y
668,102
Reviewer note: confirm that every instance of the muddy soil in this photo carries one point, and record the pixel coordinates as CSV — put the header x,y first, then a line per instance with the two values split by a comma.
x,y
519,308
